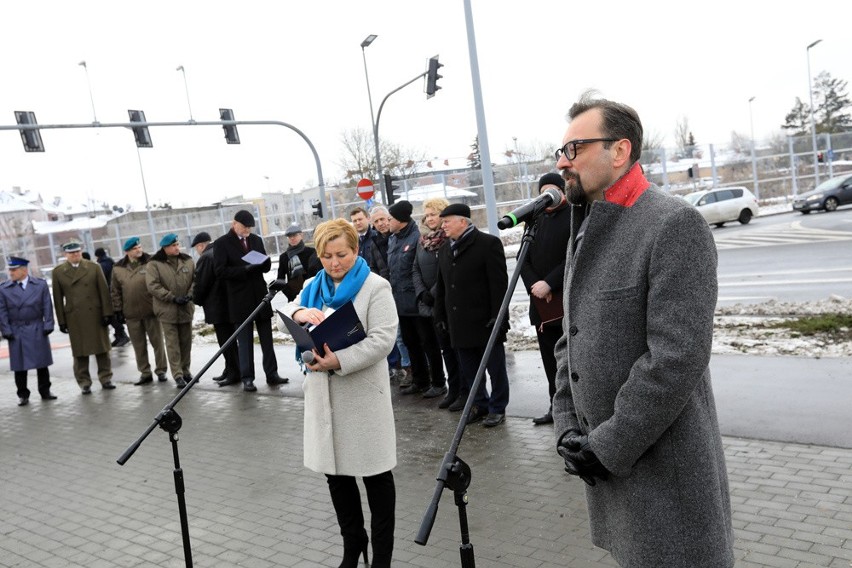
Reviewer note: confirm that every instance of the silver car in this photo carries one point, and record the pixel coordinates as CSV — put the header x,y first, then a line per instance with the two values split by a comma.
x,y
720,206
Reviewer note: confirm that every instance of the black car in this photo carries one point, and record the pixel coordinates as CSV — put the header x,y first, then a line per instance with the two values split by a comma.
x,y
828,195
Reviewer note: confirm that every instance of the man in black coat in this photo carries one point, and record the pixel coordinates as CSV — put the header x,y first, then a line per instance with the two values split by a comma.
x,y
472,280
542,273
209,293
296,264
106,262
246,290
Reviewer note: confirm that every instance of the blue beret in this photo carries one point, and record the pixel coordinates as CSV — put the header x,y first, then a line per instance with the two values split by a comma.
x,y
168,240
130,243
72,246
15,261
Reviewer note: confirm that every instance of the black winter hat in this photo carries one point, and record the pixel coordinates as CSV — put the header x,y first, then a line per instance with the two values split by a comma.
x,y
459,209
551,179
202,237
244,217
401,211
99,252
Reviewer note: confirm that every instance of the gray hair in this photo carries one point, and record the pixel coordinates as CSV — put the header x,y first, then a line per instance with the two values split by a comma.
x,y
379,209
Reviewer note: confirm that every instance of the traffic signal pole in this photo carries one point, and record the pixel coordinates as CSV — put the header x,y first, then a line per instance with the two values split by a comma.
x,y
222,123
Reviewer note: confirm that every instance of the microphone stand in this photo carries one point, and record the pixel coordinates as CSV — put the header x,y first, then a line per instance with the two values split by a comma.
x,y
170,421
453,472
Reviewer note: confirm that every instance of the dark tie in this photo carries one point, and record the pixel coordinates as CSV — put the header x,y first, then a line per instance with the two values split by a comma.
x,y
244,243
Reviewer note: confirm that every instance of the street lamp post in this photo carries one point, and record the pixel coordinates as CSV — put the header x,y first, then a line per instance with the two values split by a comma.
x,y
813,122
364,44
91,97
753,158
186,88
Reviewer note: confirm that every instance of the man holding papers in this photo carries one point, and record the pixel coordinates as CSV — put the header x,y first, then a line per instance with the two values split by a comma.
x,y
240,260
349,424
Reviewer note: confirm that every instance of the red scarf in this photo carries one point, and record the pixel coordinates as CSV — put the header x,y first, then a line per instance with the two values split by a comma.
x,y
627,189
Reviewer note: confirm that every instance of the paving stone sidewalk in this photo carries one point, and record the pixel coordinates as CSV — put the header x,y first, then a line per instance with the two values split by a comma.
x,y
65,502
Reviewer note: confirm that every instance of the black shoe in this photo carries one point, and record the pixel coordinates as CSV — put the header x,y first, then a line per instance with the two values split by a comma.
x,y
413,389
48,396
476,414
276,380
493,419
162,377
219,378
23,401
144,381
229,381
121,341
108,386
435,392
447,400
86,390
180,383
546,419
248,386
458,403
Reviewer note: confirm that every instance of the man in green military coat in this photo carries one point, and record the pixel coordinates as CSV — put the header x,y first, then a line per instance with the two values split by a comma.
x,y
84,311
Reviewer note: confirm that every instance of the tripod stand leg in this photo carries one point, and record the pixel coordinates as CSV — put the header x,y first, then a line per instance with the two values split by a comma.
x,y
171,423
465,548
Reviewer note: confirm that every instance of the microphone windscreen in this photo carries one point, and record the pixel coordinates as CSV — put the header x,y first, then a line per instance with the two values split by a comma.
x,y
555,195
307,357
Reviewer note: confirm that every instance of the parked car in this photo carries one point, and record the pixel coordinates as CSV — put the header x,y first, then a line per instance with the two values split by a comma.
x,y
723,205
828,195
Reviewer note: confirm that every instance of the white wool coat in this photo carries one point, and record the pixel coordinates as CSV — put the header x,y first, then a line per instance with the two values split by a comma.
x,y
349,423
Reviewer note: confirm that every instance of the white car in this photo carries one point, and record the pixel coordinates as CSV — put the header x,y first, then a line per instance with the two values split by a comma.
x,y
725,204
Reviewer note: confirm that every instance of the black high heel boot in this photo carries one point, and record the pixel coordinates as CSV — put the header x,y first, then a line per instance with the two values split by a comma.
x,y
381,494
351,553
347,505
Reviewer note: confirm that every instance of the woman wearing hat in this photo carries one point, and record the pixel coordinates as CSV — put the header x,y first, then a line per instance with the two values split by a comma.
x,y
349,423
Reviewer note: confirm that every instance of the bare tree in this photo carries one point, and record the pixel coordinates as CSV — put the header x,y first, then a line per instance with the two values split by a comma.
x,y
740,143
682,134
652,143
358,159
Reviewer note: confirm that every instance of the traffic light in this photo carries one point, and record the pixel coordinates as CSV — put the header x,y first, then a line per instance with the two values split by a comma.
x,y
316,205
143,137
690,173
389,188
432,77
231,134
31,138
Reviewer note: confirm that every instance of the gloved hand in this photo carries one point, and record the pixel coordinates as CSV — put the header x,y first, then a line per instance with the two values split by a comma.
x,y
119,317
504,327
250,268
63,328
106,320
427,299
8,337
181,300
278,285
47,332
579,458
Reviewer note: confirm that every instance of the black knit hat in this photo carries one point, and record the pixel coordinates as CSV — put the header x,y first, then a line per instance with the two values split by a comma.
x,y
202,237
460,209
244,217
551,179
401,211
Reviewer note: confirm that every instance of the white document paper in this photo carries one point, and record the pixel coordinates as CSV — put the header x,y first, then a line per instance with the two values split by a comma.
x,y
254,257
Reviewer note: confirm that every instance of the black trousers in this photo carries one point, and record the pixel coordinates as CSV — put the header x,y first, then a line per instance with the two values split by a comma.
x,y
419,337
245,342
381,496
231,354
43,375
547,346
451,362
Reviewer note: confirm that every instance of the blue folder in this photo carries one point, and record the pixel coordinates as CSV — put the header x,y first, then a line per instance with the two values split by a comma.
x,y
340,330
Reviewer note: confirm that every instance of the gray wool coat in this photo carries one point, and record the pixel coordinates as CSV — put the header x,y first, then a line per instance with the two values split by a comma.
x,y
349,424
633,374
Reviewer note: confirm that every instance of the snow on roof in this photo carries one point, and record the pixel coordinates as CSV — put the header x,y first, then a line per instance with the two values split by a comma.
x,y
432,190
78,224
10,203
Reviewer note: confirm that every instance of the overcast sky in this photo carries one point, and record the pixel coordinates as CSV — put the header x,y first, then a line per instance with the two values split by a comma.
x,y
300,62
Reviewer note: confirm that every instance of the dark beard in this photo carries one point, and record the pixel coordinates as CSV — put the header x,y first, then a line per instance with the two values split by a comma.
x,y
574,189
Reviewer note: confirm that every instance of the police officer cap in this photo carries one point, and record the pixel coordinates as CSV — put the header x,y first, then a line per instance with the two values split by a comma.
x,y
293,229
130,243
202,237
168,240
72,246
459,209
244,217
16,261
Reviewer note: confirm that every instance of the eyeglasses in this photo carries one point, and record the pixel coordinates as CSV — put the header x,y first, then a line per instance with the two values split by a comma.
x,y
569,150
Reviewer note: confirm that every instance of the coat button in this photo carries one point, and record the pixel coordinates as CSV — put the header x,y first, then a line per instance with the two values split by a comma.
x,y
573,330
575,377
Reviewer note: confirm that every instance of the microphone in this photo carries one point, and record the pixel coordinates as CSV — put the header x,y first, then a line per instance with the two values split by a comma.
x,y
531,209
308,357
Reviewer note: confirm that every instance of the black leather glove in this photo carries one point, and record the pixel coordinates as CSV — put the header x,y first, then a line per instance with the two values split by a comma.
x,y
47,332
579,458
181,300
427,299
106,320
63,328
119,317
8,337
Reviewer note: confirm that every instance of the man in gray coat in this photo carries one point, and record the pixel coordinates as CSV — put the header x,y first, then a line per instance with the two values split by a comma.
x,y
634,411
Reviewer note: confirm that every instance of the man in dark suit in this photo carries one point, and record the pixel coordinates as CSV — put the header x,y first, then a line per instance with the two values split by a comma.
x,y
246,290
472,281
26,319
84,311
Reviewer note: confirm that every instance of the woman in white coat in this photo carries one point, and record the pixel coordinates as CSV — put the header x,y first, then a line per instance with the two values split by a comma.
x,y
349,424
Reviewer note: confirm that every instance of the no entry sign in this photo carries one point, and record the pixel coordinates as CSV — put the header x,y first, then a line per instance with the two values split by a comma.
x,y
365,189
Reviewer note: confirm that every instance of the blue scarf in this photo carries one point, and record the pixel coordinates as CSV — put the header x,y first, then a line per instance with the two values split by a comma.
x,y
321,291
